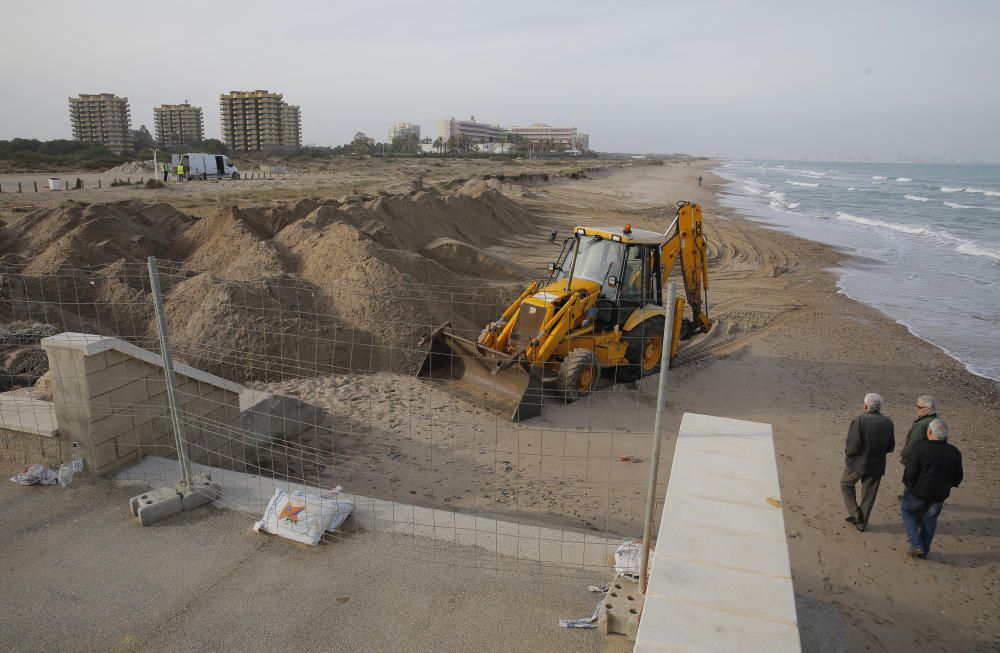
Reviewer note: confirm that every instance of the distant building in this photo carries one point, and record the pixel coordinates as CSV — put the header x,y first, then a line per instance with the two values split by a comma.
x,y
495,148
259,120
291,126
567,137
475,132
403,130
178,125
102,118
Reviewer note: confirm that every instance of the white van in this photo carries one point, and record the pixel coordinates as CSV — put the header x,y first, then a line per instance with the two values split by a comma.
x,y
198,165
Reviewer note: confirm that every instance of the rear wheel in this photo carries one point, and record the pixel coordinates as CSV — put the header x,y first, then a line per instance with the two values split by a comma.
x,y
579,373
644,350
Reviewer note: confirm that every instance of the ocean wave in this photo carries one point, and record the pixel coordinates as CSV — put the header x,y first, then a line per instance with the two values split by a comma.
x,y
862,188
903,179
991,193
800,183
755,191
961,245
793,205
955,205
951,189
917,198
877,177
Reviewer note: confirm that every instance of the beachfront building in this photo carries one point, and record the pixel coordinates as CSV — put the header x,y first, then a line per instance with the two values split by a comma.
x,y
259,120
569,138
291,125
102,118
472,131
178,125
403,130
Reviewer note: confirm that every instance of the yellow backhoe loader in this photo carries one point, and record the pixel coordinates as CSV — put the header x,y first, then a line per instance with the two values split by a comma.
x,y
601,309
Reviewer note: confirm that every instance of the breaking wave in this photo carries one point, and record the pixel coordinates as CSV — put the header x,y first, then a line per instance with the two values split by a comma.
x,y
991,193
917,198
955,205
800,183
951,189
962,245
903,179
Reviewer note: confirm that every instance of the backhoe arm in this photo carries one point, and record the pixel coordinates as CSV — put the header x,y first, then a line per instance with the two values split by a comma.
x,y
688,243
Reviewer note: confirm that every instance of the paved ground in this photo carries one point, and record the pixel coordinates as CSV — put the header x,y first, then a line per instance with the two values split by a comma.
x,y
79,573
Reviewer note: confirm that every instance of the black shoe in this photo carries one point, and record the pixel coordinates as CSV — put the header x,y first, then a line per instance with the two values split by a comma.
x,y
851,520
861,527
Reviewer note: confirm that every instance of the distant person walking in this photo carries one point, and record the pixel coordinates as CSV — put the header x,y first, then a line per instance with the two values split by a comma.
x,y
180,172
166,171
699,181
934,467
926,413
870,439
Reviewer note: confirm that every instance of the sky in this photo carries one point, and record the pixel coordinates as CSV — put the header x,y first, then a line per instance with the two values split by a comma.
x,y
815,80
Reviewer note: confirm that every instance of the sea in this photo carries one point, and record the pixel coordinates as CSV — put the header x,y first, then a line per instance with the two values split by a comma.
x,y
925,239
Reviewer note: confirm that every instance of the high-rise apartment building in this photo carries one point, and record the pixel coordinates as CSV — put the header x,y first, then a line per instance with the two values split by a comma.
x,y
403,130
178,125
257,120
102,118
291,125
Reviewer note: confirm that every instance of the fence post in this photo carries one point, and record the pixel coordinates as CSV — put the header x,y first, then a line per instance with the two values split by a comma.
x,y
654,461
36,185
98,183
168,371
19,187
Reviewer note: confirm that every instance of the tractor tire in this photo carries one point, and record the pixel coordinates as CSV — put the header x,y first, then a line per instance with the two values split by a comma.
x,y
578,374
644,350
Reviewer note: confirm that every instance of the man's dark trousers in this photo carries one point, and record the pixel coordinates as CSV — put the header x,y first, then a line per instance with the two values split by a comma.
x,y
869,488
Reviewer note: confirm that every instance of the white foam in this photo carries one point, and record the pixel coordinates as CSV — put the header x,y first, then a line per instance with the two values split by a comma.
x,y
793,205
862,188
962,245
991,193
917,198
877,177
800,183
903,179
951,189
955,205
755,191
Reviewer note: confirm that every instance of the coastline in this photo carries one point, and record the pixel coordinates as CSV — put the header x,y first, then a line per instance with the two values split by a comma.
x,y
792,350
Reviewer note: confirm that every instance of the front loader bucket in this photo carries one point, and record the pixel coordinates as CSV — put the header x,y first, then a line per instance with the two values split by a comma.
x,y
470,370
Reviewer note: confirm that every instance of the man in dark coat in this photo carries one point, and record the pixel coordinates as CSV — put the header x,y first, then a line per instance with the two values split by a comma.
x,y
926,413
934,467
870,439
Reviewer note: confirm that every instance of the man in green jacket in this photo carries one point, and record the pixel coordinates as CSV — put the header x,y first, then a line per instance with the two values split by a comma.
x,y
926,413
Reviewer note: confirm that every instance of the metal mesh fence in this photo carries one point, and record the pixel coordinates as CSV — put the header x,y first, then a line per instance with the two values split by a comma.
x,y
281,384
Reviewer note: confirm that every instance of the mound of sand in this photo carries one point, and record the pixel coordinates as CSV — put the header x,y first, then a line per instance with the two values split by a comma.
x,y
266,292
97,235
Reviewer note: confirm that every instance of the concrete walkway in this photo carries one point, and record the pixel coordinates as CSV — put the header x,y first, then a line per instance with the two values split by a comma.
x,y
80,574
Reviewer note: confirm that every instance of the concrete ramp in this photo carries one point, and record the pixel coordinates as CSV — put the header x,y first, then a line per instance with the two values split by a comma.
x,y
721,580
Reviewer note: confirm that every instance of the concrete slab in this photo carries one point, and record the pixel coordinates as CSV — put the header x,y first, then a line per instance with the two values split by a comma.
x,y
525,542
721,580
28,415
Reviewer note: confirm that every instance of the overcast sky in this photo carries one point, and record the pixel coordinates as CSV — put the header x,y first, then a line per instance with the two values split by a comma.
x,y
781,79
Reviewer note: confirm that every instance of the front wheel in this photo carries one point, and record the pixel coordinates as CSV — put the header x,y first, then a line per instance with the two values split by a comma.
x,y
579,373
644,350
236,175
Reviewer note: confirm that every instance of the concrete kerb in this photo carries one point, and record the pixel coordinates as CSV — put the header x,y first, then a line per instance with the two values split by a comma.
x,y
526,542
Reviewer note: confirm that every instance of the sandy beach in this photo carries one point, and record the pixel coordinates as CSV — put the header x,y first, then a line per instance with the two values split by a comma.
x,y
787,349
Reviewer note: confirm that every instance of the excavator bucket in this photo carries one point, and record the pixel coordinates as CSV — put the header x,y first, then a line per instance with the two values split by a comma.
x,y
483,376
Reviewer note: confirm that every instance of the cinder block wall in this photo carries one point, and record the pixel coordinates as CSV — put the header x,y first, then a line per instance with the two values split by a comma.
x,y
26,448
111,397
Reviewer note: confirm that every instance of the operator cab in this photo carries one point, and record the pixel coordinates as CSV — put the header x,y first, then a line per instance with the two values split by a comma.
x,y
624,262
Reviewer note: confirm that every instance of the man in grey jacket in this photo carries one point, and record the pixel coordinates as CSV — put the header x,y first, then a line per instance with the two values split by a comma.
x,y
870,439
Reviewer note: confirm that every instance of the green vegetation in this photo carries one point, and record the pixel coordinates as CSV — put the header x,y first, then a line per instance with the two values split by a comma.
x,y
32,154
123,182
153,182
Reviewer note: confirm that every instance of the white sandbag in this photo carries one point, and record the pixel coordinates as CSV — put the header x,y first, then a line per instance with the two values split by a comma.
x,y
628,558
36,475
303,517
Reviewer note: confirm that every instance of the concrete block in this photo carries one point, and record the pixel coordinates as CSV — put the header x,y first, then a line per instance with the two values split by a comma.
x,y
152,506
201,491
621,608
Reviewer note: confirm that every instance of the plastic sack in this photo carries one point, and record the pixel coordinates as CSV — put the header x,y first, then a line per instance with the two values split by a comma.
x,y
303,517
628,558
36,475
